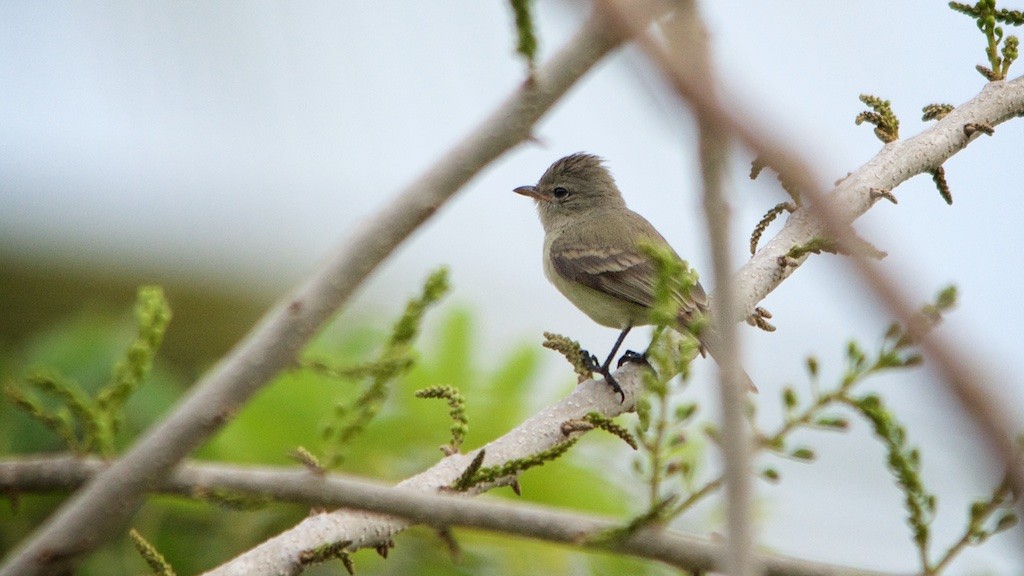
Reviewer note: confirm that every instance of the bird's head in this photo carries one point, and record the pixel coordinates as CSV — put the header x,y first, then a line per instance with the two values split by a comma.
x,y
572,186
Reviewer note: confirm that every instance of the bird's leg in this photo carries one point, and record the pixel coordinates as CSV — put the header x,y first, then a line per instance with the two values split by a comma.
x,y
603,369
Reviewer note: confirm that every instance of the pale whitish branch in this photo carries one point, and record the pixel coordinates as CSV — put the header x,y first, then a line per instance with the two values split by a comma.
x,y
42,474
895,163
829,214
104,505
540,432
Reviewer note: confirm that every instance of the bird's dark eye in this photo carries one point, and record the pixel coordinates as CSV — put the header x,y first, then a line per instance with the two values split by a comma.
x,y
560,192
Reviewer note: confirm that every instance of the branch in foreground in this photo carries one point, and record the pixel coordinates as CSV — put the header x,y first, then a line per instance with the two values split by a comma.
x,y
687,37
585,531
105,504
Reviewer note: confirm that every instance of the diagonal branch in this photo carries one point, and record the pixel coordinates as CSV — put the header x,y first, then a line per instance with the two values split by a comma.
x,y
896,163
829,215
105,504
581,530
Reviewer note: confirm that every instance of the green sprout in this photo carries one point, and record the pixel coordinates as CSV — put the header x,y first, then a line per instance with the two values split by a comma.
x,y
987,17
887,126
456,410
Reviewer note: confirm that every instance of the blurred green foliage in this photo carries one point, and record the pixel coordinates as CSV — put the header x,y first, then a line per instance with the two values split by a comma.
x,y
403,439
85,421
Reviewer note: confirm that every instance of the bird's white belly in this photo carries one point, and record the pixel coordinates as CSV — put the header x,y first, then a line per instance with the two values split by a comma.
x,y
602,308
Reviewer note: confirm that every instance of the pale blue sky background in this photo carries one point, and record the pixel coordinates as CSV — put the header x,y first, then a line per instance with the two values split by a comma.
x,y
237,142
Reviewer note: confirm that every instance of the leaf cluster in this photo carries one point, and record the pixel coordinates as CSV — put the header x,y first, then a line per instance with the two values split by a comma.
x,y
327,552
887,125
669,456
664,435
1000,50
476,473
456,411
766,220
157,564
526,35
572,352
905,464
674,282
896,351
91,423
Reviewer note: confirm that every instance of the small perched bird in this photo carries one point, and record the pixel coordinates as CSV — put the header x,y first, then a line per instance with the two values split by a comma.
x,y
593,253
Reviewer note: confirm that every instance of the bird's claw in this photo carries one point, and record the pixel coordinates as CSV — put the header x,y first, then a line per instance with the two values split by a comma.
x,y
634,357
615,385
590,362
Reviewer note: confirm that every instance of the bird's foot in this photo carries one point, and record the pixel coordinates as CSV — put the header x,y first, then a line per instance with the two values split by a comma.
x,y
634,357
590,362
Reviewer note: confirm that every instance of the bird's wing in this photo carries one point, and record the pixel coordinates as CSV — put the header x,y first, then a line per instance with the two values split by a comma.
x,y
622,271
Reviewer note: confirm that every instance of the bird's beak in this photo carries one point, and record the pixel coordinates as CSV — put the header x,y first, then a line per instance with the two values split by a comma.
x,y
532,192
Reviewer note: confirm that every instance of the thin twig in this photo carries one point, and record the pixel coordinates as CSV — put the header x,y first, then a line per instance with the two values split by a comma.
x,y
683,551
969,537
